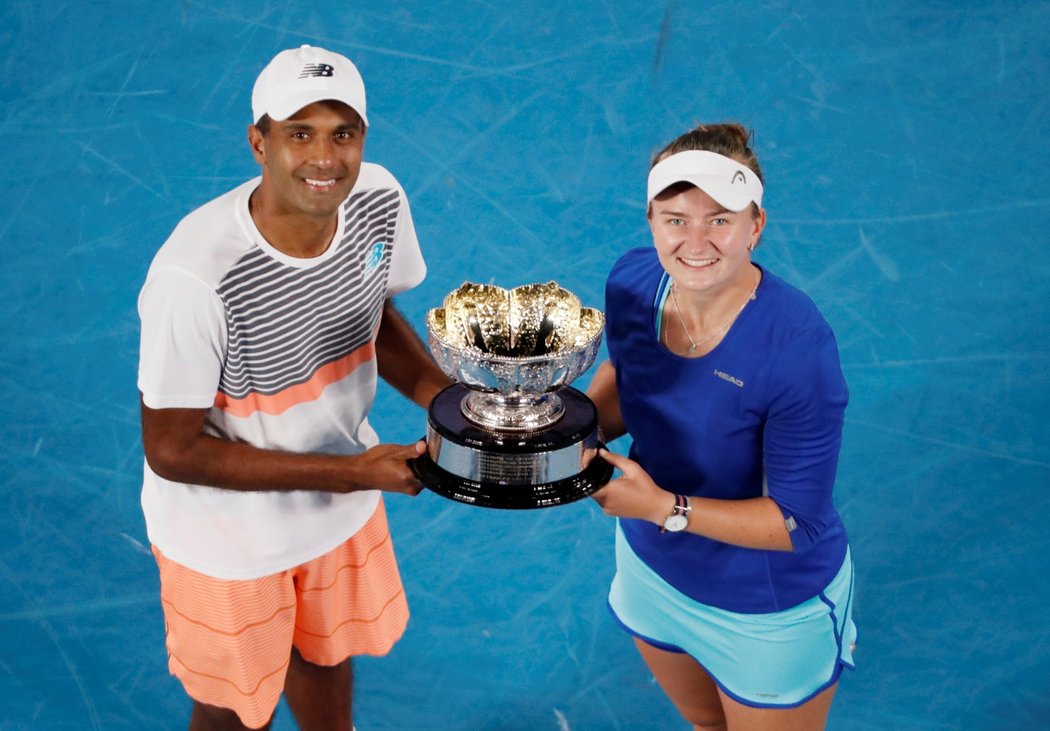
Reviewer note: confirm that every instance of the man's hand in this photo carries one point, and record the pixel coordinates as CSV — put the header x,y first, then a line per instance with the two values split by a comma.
x,y
385,467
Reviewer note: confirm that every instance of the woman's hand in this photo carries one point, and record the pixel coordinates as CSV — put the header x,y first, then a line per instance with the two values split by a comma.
x,y
633,494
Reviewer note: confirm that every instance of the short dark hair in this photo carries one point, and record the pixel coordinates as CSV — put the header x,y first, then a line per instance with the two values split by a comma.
x,y
263,125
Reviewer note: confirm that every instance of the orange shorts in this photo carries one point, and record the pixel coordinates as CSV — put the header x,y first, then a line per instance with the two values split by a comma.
x,y
230,642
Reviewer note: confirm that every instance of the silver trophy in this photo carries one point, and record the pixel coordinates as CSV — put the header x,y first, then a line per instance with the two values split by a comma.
x,y
511,432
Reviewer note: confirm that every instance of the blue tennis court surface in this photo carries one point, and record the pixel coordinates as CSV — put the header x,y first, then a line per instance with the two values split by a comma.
x,y
905,151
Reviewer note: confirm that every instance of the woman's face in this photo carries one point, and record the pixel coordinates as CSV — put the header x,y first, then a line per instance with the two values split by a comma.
x,y
701,245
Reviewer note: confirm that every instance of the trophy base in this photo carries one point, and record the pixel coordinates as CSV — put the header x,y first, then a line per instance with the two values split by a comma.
x,y
512,470
506,497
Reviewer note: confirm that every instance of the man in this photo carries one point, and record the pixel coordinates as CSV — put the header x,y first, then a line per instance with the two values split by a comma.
x,y
266,318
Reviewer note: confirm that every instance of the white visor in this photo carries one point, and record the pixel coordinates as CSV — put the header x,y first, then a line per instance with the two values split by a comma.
x,y
730,184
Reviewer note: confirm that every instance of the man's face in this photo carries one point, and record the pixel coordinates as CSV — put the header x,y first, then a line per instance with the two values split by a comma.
x,y
311,160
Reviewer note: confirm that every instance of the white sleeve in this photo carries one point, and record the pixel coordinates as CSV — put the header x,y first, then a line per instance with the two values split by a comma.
x,y
407,267
183,341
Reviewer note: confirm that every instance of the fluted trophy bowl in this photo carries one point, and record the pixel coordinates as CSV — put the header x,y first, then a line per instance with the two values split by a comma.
x,y
514,349
511,432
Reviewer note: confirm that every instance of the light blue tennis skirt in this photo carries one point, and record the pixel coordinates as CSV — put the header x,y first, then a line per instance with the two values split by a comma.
x,y
778,659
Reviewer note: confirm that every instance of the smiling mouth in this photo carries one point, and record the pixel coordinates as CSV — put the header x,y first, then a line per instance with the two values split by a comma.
x,y
697,263
320,184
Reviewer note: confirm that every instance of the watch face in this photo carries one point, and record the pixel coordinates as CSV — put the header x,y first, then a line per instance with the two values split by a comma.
x,y
676,522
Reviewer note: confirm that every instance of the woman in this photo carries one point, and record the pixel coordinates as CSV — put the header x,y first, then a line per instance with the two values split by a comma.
x,y
733,568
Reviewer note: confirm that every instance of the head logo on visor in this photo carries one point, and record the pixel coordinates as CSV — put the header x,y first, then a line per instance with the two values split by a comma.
x,y
730,184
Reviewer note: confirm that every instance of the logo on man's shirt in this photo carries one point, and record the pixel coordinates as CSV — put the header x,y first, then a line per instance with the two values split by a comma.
x,y
374,258
316,69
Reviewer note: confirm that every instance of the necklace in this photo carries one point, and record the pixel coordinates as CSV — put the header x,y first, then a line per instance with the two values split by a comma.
x,y
694,344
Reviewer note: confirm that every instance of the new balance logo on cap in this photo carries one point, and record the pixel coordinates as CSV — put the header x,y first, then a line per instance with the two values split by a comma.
x,y
316,69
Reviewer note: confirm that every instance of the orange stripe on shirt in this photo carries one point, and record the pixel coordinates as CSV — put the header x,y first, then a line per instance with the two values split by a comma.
x,y
301,393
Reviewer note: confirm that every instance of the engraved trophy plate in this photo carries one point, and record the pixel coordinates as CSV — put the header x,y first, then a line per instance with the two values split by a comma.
x,y
511,432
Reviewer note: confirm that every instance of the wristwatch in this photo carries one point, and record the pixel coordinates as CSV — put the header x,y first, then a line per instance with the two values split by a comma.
x,y
679,517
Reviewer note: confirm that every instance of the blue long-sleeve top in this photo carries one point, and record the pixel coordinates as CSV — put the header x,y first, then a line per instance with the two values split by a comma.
x,y
761,414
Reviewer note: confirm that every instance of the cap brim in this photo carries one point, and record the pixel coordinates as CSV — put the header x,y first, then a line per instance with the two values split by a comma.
x,y
287,107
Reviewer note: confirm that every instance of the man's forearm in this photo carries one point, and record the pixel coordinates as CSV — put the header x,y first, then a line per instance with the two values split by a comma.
x,y
404,361
177,449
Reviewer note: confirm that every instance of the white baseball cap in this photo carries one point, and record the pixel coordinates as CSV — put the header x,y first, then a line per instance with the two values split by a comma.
x,y
730,184
301,76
